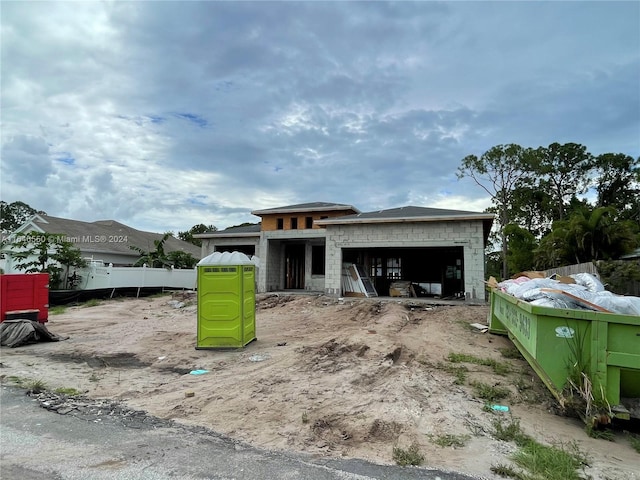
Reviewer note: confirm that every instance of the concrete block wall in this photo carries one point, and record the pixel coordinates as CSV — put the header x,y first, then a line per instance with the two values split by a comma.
x,y
311,282
210,245
272,276
466,234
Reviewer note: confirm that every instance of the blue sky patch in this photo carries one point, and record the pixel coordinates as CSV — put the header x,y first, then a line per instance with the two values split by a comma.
x,y
156,119
193,118
197,200
66,158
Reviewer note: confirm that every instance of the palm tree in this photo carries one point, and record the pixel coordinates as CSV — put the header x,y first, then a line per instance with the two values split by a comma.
x,y
156,258
591,234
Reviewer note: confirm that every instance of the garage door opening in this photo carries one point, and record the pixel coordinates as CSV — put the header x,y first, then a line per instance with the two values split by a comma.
x,y
433,272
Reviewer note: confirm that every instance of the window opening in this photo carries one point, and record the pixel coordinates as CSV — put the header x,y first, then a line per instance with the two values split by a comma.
x,y
317,259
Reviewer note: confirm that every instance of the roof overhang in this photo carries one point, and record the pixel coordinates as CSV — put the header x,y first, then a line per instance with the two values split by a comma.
x,y
443,218
226,235
319,208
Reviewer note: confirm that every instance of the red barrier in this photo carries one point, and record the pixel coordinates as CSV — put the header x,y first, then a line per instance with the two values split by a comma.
x,y
22,294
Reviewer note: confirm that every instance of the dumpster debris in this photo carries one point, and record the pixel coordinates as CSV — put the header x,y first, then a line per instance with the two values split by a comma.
x,y
480,326
198,372
176,303
586,293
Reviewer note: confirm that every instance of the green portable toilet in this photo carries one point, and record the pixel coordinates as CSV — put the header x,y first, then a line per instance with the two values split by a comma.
x,y
226,301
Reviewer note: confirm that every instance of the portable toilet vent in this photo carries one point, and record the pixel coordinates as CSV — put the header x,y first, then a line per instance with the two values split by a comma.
x,y
226,301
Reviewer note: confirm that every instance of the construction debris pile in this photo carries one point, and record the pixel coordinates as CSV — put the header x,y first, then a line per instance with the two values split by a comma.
x,y
578,291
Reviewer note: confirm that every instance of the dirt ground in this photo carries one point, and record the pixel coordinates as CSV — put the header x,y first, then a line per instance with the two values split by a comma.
x,y
330,377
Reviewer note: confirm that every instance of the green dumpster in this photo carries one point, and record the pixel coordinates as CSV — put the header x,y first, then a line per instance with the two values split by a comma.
x,y
226,301
556,341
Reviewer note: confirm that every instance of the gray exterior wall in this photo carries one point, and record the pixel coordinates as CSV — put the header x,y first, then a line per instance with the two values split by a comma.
x,y
271,253
270,247
466,234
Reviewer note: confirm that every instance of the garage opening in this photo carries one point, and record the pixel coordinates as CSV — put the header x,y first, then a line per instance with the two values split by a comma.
x,y
433,272
249,250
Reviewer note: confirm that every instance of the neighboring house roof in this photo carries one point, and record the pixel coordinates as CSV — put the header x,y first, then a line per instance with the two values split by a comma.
x,y
407,214
105,236
307,207
252,230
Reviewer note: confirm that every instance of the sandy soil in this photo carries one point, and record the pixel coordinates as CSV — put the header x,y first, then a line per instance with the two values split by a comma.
x,y
350,378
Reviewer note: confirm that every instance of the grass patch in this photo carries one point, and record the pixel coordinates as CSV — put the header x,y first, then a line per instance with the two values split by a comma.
x,y
548,462
57,309
510,432
18,381
634,440
305,417
410,456
69,391
33,386
458,371
508,472
500,368
36,386
460,375
449,440
536,461
602,434
94,302
522,384
510,352
490,393
39,386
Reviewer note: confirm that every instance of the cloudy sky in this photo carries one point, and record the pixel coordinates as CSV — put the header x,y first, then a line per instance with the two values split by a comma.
x,y
163,115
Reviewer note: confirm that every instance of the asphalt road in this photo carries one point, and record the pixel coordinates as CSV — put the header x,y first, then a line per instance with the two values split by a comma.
x,y
39,444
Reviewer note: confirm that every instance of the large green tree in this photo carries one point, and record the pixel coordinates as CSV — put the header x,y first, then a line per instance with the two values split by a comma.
x,y
47,253
14,214
200,228
563,172
159,258
154,258
522,244
544,192
588,234
531,207
180,259
617,182
499,171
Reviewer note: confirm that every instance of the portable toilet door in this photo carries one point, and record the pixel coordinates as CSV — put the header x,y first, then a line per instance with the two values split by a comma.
x,y
226,301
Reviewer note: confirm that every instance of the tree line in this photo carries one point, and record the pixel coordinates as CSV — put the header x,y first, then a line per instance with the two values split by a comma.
x,y
557,205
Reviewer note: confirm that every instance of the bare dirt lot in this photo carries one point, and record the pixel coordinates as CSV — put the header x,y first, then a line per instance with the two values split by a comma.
x,y
343,378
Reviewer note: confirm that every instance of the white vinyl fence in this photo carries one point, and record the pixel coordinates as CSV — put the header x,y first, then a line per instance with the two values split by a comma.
x,y
97,277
